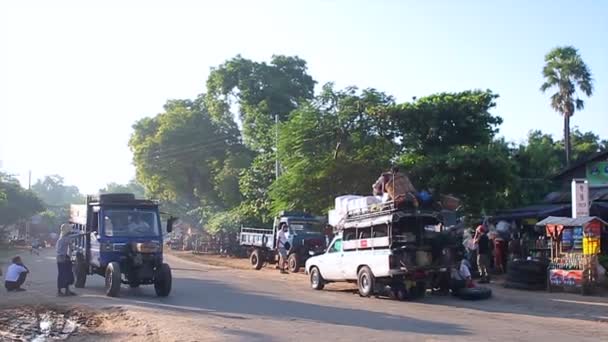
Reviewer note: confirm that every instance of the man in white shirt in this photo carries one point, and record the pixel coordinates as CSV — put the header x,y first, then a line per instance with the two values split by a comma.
x,y
15,275
282,246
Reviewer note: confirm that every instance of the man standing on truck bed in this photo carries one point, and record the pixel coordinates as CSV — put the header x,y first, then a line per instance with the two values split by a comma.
x,y
282,246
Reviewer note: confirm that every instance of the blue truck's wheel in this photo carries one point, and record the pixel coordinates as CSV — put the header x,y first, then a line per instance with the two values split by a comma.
x,y
163,280
113,279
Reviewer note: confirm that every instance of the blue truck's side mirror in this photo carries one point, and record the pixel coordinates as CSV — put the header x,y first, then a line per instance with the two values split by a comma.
x,y
170,222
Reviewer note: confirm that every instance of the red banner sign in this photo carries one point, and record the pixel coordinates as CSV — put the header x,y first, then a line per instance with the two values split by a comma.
x,y
566,277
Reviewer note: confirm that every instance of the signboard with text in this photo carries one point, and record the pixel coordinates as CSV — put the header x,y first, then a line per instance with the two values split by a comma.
x,y
559,277
597,173
580,198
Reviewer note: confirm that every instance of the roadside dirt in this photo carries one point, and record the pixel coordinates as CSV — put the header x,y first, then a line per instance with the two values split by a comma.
x,y
42,323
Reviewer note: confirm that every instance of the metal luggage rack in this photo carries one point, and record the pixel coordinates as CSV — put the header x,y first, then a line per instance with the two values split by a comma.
x,y
372,210
384,209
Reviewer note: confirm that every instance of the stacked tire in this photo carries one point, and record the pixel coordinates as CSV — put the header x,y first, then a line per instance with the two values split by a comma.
x,y
527,274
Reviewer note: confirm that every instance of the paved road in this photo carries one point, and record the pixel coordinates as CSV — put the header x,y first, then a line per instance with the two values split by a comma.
x,y
211,303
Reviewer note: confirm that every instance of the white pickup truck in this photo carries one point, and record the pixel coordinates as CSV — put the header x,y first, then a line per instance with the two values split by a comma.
x,y
388,249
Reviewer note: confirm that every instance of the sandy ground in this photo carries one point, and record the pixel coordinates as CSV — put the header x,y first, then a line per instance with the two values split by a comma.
x,y
220,303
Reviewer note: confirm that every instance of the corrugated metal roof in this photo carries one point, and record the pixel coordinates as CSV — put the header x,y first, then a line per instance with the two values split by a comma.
x,y
569,221
599,193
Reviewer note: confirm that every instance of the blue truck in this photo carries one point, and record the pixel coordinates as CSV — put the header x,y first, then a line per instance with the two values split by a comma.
x,y
122,241
305,235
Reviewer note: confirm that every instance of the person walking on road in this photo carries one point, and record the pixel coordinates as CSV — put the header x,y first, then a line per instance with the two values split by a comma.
x,y
65,275
282,246
15,275
483,253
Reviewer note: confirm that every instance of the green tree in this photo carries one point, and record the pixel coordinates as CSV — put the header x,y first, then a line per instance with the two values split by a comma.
x,y
330,147
18,204
53,191
259,91
132,187
185,157
434,124
565,71
448,146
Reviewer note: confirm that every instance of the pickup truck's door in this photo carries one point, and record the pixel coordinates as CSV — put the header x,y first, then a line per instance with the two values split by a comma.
x,y
332,261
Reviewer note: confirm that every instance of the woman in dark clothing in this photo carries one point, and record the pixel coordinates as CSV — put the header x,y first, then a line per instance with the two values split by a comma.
x,y
65,275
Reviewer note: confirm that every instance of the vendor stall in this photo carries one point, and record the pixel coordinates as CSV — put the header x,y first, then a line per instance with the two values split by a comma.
x,y
574,248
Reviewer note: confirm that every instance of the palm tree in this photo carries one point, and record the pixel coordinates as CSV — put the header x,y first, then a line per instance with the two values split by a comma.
x,y
565,70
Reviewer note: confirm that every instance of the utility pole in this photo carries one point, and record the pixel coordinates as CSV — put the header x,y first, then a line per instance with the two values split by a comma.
x,y
276,148
29,180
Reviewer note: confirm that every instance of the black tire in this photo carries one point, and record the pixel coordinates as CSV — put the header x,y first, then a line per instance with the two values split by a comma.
x,y
293,263
475,293
80,274
113,279
316,279
256,259
398,292
163,281
366,282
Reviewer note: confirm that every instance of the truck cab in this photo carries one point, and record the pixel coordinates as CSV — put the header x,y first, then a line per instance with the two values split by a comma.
x,y
122,241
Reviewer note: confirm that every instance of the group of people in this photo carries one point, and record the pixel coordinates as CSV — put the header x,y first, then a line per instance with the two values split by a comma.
x,y
17,272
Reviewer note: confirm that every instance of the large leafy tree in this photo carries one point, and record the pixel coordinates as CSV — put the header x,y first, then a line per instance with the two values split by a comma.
x,y
259,91
18,203
54,192
332,146
132,187
565,71
185,157
448,146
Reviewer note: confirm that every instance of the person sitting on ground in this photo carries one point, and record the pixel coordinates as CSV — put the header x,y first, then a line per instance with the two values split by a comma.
x,y
461,277
15,275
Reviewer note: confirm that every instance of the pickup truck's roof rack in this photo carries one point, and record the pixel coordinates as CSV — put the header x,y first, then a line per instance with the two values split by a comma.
x,y
383,213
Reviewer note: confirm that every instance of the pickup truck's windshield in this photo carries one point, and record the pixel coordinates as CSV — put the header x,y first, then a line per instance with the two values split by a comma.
x,y
130,223
305,226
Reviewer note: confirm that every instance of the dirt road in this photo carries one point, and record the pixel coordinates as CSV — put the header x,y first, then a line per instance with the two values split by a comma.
x,y
211,303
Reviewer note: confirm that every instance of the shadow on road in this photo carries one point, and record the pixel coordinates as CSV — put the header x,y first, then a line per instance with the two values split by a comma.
x,y
223,300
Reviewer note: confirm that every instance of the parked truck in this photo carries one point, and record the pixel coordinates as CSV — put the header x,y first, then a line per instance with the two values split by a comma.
x,y
305,236
122,241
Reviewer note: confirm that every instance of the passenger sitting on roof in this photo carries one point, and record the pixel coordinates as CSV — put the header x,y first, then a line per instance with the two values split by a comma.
x,y
400,189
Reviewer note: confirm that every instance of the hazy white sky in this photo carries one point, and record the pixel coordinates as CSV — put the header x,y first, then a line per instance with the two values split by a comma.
x,y
75,77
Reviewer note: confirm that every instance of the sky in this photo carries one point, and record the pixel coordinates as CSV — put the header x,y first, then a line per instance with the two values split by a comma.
x,y
75,75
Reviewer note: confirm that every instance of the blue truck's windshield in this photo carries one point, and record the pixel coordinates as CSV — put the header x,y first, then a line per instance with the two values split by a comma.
x,y
305,227
130,223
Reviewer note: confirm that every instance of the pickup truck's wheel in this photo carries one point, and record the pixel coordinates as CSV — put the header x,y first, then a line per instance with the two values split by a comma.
x,y
163,280
256,259
80,274
113,279
293,263
316,280
366,282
